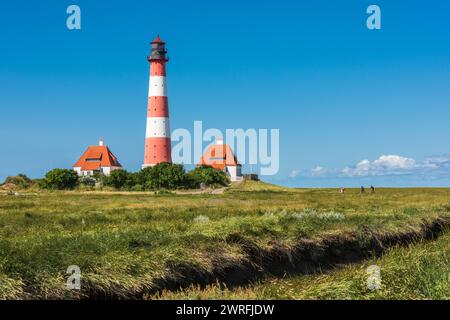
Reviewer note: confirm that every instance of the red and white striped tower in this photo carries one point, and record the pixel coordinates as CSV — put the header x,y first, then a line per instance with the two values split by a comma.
x,y
157,137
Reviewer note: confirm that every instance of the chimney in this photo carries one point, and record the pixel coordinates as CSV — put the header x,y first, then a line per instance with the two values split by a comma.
x,y
101,142
219,140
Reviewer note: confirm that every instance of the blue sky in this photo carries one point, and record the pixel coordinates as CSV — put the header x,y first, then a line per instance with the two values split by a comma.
x,y
353,106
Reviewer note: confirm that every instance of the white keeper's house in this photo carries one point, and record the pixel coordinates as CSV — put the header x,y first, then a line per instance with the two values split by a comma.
x,y
221,157
97,159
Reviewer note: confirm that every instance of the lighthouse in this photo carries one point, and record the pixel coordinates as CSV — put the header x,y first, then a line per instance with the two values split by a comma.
x,y
157,136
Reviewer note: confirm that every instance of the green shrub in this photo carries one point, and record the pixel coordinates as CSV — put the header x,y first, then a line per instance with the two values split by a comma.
x,y
134,182
38,184
163,176
167,176
88,181
121,179
207,175
117,179
137,187
99,176
60,179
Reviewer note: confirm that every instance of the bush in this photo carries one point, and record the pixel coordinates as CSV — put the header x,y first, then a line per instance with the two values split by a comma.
x,y
167,176
136,187
163,176
88,181
164,192
99,177
134,182
117,179
39,183
20,181
121,179
60,179
207,175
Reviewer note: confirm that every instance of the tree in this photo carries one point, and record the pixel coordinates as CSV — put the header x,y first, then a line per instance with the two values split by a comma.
x,y
163,176
61,179
207,175
133,182
117,178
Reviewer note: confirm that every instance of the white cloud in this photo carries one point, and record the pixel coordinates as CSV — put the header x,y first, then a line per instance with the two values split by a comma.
x,y
315,172
384,165
394,162
437,162
318,171
294,174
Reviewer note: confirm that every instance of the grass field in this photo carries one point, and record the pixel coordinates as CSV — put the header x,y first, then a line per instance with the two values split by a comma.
x,y
130,245
420,271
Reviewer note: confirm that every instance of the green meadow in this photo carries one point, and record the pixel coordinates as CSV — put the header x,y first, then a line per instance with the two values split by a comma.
x,y
144,245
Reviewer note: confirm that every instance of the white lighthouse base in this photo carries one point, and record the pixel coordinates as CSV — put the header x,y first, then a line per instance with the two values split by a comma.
x,y
147,165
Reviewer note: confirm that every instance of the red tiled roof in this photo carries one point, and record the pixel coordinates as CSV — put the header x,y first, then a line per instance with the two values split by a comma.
x,y
97,156
90,166
218,156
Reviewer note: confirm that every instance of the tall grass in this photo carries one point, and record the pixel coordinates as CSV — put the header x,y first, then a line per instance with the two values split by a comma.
x,y
123,242
420,271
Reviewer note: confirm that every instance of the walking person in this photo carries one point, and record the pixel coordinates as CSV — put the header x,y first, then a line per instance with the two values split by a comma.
x,y
372,189
362,190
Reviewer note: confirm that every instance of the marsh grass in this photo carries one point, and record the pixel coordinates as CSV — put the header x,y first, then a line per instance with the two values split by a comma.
x,y
420,271
124,241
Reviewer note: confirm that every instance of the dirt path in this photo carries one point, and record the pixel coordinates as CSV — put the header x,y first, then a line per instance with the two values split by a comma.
x,y
206,191
219,191
209,190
